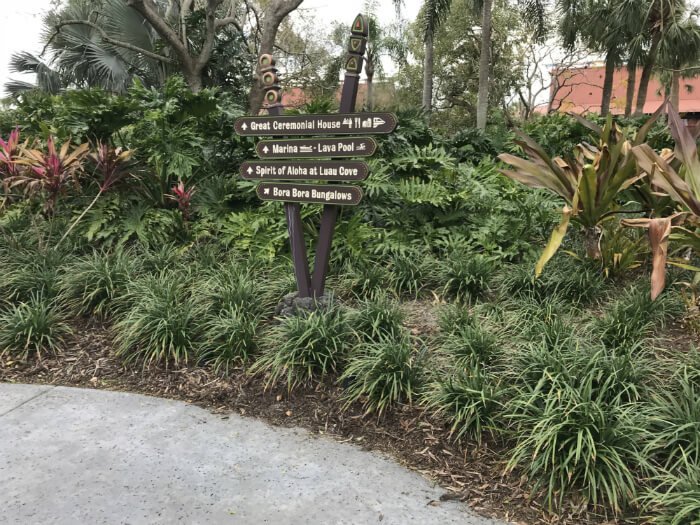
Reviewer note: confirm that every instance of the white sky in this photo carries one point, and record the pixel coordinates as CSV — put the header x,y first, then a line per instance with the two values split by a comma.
x,y
21,22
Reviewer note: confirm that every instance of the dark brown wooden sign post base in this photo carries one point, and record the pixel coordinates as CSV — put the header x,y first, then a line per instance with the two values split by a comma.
x,y
332,196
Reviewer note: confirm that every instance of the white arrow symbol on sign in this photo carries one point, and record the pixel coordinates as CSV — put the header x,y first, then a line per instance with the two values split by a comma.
x,y
266,149
266,191
250,171
244,126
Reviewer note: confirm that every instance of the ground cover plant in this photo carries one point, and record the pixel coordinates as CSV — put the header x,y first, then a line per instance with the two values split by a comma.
x,y
584,384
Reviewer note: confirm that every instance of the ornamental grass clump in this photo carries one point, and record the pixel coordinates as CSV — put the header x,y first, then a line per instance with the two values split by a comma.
x,y
28,272
306,348
163,322
409,273
466,276
375,318
470,346
231,286
674,437
469,399
94,283
635,317
577,435
365,279
35,327
674,498
453,318
230,339
383,374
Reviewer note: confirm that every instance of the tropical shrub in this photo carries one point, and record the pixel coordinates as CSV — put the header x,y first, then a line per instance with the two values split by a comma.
x,y
469,399
383,373
94,283
162,323
301,349
575,433
590,181
378,317
229,339
35,327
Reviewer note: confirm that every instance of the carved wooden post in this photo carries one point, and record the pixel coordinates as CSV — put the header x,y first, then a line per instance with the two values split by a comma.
x,y
295,227
348,99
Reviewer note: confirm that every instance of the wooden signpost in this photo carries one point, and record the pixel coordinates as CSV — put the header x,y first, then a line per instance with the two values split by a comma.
x,y
339,146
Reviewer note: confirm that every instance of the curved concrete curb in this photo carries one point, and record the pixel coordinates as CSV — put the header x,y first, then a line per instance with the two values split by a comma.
x,y
72,456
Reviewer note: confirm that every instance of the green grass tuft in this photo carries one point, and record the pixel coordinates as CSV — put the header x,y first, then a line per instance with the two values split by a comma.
x,y
383,373
34,327
163,323
230,339
302,349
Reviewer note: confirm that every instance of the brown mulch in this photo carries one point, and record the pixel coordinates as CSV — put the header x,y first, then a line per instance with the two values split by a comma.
x,y
468,472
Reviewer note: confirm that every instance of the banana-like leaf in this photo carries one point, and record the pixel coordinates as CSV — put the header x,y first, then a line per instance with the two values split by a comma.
x,y
555,241
644,130
686,150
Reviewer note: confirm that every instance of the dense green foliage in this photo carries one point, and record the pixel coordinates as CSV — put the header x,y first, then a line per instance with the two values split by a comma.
x,y
434,304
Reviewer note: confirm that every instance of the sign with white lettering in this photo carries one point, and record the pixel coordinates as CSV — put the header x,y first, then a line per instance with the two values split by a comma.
x,y
311,193
337,124
305,169
323,147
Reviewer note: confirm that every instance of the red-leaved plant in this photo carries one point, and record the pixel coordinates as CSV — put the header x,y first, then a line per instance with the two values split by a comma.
x,y
49,171
112,165
183,197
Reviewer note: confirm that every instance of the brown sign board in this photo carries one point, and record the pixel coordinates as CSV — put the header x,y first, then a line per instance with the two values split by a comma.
x,y
310,193
305,169
322,147
336,124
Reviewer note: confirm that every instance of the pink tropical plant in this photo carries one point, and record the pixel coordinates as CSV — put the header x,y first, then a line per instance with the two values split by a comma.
x,y
112,164
49,171
183,197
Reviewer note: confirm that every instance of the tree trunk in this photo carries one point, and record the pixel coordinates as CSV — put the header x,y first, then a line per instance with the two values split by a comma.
x,y
275,14
631,86
592,242
370,91
194,80
646,75
676,89
608,83
428,66
482,104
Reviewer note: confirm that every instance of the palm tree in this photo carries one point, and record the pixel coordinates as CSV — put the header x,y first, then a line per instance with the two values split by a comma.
x,y
660,22
379,43
435,12
47,79
679,48
593,22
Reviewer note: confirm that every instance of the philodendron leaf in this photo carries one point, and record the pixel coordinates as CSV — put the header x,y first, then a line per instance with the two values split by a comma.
x,y
555,240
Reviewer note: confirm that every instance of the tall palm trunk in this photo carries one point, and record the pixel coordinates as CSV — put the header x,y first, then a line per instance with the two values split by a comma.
x,y
646,74
608,83
631,85
482,103
675,89
428,66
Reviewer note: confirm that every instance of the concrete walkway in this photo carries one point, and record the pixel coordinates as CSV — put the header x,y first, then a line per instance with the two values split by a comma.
x,y
72,456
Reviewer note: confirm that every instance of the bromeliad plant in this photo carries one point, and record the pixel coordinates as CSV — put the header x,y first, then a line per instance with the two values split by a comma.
x,y
49,171
676,174
591,181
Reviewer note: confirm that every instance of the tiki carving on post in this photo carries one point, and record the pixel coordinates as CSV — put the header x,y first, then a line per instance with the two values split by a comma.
x,y
348,99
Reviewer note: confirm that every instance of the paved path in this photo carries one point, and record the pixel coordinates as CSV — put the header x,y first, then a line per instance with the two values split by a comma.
x,y
72,456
